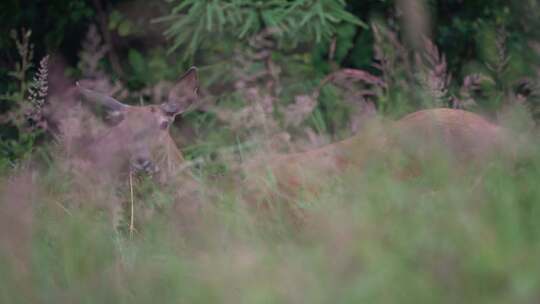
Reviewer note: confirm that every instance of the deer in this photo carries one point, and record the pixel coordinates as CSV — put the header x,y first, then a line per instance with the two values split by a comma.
x,y
141,141
140,138
136,143
465,139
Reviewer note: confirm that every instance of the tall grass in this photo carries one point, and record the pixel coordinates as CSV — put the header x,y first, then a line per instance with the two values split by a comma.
x,y
448,236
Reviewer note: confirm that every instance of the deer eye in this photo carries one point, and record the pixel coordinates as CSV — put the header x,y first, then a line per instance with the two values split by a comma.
x,y
164,125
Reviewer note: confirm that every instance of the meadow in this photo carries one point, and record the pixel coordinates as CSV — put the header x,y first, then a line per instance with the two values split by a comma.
x,y
275,77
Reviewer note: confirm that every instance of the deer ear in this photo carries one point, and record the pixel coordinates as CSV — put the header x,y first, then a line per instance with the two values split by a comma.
x,y
183,94
189,82
101,99
113,108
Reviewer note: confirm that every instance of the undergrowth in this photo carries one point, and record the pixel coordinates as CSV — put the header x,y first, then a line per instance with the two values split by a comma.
x,y
447,236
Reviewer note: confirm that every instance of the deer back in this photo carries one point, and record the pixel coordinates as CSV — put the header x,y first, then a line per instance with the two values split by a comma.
x,y
463,137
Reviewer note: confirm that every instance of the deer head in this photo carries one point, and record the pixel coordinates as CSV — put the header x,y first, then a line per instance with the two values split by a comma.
x,y
140,138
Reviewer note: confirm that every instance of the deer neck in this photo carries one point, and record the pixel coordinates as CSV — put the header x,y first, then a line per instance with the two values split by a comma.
x,y
174,169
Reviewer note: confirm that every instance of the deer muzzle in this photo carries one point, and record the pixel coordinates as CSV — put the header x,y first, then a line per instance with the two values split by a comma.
x,y
143,165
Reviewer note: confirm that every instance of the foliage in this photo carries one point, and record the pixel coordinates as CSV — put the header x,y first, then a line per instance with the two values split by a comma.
x,y
291,22
53,22
120,24
273,55
23,119
448,236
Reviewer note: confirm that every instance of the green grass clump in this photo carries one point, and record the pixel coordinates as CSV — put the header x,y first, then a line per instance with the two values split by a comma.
x,y
447,236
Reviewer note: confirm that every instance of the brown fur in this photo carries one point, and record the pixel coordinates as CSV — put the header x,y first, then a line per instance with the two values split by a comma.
x,y
465,137
138,140
468,136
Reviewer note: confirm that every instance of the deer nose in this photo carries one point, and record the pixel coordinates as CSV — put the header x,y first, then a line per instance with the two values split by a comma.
x,y
144,164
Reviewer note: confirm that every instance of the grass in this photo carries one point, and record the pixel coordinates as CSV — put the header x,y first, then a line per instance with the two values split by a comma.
x,y
443,237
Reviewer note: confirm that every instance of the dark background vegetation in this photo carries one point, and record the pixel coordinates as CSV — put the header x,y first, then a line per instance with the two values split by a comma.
x,y
148,43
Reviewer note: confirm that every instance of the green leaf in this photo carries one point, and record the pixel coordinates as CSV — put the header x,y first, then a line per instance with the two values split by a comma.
x,y
114,19
137,62
124,28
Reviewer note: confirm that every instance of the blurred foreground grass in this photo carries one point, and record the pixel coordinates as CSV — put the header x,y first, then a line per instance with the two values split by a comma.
x,y
449,236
